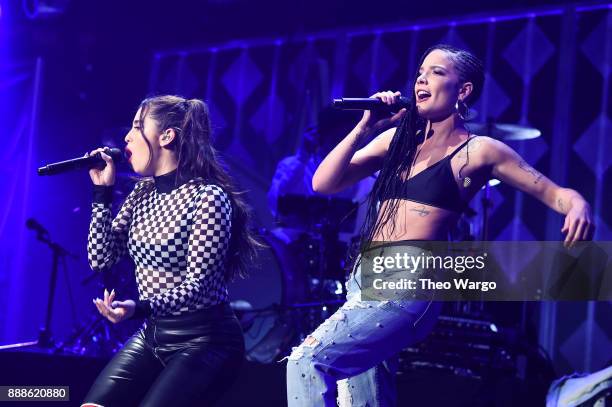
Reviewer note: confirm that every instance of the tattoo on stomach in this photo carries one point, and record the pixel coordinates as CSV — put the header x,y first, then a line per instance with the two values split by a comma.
x,y
421,211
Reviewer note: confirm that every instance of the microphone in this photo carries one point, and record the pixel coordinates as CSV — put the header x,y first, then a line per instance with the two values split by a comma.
x,y
33,224
370,104
82,162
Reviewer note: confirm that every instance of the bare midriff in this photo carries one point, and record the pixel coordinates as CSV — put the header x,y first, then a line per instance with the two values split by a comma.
x,y
416,221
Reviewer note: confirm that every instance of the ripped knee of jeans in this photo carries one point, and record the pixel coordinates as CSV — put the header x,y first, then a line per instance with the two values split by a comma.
x,y
309,344
345,398
311,341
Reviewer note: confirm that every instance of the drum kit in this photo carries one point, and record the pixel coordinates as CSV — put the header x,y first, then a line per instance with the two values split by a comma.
x,y
299,280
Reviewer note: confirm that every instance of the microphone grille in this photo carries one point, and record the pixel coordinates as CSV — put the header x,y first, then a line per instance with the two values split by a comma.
x,y
115,153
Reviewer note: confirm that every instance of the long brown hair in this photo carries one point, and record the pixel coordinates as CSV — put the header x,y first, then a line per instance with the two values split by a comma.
x,y
190,119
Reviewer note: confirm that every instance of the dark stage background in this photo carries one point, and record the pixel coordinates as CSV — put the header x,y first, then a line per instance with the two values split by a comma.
x,y
71,81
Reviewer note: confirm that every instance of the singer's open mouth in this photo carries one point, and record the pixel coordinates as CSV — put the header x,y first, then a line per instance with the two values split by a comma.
x,y
127,154
423,95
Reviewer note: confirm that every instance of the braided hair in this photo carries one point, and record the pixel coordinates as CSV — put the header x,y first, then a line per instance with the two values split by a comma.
x,y
407,137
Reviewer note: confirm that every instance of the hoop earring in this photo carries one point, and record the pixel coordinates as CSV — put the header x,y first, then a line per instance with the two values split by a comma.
x,y
462,109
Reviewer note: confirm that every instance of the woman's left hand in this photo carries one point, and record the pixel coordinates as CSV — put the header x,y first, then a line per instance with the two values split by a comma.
x,y
578,224
114,311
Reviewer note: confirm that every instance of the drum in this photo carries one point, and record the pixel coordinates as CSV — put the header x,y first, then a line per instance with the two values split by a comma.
x,y
264,300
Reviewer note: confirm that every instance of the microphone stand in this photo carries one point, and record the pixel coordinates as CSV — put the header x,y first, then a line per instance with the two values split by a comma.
x,y
45,339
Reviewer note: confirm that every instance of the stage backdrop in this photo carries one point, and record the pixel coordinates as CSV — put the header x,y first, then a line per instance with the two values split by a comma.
x,y
547,68
19,94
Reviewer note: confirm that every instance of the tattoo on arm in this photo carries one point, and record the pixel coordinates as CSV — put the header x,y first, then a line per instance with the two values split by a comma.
x,y
528,168
421,211
472,147
561,205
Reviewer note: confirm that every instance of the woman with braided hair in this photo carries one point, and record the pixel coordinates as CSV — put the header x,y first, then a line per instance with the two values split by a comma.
x,y
185,227
430,168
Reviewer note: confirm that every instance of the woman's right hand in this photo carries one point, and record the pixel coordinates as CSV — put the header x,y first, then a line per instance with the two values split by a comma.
x,y
106,175
377,121
114,311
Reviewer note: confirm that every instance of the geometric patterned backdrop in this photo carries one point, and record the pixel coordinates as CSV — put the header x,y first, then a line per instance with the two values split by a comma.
x,y
548,69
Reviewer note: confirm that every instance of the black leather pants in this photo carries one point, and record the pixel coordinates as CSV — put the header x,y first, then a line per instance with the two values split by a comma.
x,y
187,360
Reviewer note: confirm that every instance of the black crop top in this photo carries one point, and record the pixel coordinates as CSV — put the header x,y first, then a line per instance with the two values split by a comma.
x,y
433,186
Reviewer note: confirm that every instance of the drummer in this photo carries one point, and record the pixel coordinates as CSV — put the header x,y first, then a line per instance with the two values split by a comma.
x,y
293,174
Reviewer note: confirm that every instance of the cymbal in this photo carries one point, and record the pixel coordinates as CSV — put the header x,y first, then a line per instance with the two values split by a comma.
x,y
504,132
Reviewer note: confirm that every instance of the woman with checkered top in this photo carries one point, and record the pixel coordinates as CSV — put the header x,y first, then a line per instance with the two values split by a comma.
x,y
185,227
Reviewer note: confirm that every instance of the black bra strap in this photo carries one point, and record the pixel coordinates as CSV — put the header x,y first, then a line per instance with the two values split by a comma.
x,y
451,155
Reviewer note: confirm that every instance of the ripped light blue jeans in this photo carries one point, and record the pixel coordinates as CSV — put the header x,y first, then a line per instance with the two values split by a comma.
x,y
355,351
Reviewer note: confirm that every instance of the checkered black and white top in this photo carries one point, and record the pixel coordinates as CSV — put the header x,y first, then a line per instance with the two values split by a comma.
x,y
178,241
